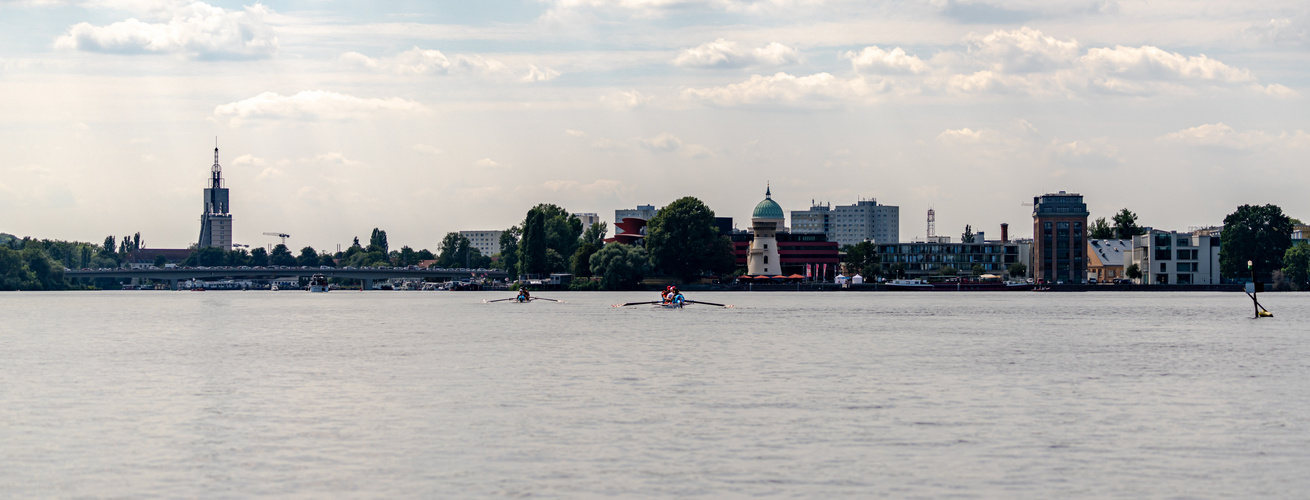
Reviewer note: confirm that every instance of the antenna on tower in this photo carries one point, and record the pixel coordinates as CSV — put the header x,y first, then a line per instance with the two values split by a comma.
x,y
932,223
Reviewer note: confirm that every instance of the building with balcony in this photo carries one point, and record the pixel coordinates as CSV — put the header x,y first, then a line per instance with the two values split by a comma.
x,y
866,220
1169,257
486,241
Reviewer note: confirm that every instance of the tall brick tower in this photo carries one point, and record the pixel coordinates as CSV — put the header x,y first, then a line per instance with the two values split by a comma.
x,y
1060,238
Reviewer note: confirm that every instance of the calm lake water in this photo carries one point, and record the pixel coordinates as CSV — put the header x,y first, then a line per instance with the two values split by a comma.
x,y
435,394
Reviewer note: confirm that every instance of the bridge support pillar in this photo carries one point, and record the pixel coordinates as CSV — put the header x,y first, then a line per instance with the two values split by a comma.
x,y
172,285
368,284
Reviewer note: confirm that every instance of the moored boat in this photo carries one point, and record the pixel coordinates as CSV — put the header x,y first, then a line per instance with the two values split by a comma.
x,y
318,283
958,285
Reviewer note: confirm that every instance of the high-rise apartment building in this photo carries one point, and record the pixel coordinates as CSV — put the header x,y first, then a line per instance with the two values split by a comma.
x,y
487,242
1060,238
866,220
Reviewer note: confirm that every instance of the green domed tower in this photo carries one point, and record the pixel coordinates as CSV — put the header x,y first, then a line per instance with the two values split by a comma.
x,y
765,221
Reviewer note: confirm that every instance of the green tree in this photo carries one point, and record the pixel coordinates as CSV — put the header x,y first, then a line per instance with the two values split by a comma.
x,y
259,257
378,241
580,263
281,256
532,248
108,247
1133,272
862,258
898,270
968,236
408,256
1018,270
509,250
1296,266
978,270
455,251
596,234
1125,225
308,257
620,266
237,257
161,261
948,271
684,242
1101,230
1258,234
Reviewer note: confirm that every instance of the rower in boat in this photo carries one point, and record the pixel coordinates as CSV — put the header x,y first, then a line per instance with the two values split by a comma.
x,y
524,295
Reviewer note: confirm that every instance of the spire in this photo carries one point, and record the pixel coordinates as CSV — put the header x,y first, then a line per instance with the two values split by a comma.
x,y
216,172
766,190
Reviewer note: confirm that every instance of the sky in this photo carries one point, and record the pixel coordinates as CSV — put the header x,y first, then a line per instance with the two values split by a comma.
x,y
426,117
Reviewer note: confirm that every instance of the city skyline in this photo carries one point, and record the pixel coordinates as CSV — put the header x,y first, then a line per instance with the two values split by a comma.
x,y
335,118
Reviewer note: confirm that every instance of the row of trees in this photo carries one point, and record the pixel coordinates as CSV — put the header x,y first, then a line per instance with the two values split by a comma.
x,y
681,241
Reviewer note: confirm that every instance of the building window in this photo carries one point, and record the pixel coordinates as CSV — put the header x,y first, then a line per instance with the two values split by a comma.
x,y
766,260
1162,269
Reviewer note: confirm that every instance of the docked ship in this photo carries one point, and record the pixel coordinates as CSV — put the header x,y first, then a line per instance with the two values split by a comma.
x,y
985,284
318,283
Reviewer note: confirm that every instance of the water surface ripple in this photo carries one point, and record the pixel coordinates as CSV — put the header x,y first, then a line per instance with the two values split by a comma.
x,y
425,394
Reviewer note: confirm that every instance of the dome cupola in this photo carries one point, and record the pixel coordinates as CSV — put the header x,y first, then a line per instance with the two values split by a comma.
x,y
767,209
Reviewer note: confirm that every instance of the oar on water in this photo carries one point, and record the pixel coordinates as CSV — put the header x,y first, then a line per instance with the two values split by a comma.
x,y
543,298
497,300
706,303
638,303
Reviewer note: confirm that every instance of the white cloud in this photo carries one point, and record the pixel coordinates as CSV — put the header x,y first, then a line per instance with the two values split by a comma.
x,y
1222,136
1094,152
575,133
877,60
669,143
418,61
783,88
660,8
1151,63
424,148
1284,31
625,100
487,163
248,159
312,105
1024,50
727,54
197,30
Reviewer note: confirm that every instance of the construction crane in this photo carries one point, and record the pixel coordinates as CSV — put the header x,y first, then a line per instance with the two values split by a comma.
x,y
284,236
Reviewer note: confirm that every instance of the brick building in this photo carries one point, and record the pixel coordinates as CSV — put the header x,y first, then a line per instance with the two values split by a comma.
x,y
1059,238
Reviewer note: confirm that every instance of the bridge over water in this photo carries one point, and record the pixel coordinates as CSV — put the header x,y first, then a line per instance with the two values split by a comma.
x,y
367,276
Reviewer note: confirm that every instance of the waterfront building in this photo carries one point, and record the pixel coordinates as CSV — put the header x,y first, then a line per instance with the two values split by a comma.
x,y
1169,257
921,260
215,220
765,221
866,220
1105,259
796,252
1059,238
486,241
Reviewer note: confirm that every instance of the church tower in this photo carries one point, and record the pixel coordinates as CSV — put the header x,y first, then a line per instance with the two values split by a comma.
x,y
215,221
765,221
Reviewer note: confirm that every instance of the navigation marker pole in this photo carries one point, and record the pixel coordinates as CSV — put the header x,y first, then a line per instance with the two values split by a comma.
x,y
1252,289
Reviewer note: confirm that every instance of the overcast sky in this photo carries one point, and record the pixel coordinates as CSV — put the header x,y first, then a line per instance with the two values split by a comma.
x,y
424,117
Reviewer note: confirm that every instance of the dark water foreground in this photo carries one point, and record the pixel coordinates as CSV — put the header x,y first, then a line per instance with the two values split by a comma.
x,y
431,394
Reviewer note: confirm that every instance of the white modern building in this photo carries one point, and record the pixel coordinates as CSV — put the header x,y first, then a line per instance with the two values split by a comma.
x,y
487,242
1169,257
587,218
767,218
866,220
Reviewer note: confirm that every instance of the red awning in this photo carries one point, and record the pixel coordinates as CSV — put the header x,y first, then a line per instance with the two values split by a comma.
x,y
796,277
